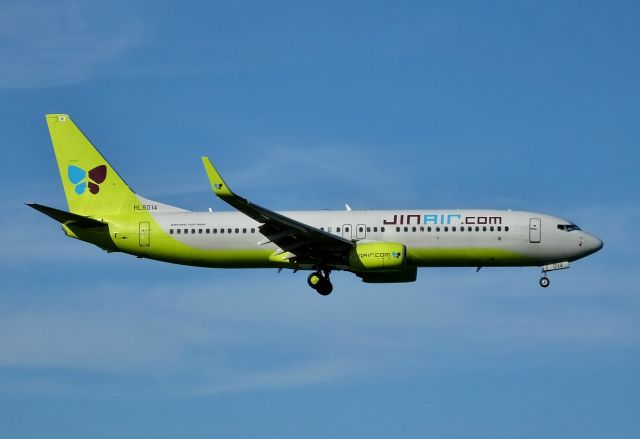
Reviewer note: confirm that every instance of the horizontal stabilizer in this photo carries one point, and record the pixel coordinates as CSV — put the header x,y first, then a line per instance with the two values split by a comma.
x,y
68,218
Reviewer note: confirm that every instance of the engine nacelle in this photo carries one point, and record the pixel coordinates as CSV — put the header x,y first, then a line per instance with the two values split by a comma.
x,y
378,256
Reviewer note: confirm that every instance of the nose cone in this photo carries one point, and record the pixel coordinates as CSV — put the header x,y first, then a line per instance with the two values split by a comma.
x,y
592,244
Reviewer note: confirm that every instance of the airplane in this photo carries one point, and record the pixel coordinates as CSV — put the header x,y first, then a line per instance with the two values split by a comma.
x,y
378,246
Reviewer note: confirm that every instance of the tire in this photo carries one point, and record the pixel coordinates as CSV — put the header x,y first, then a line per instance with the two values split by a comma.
x,y
544,282
324,288
314,279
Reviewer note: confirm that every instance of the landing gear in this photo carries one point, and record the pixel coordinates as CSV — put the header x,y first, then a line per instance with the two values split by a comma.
x,y
320,282
544,281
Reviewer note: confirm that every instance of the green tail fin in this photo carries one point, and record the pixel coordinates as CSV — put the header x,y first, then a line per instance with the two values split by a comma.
x,y
91,185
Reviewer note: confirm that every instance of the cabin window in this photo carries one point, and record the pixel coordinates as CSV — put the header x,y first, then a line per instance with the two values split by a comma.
x,y
397,229
429,229
437,229
453,229
375,229
406,229
229,231
368,229
208,231
237,230
244,230
422,229
329,229
499,228
477,228
186,231
337,229
215,231
484,228
413,229
253,230
382,229
446,228
170,231
178,231
506,228
221,230
491,228
200,231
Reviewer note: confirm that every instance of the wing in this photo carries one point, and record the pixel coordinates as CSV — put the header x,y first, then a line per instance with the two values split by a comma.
x,y
304,243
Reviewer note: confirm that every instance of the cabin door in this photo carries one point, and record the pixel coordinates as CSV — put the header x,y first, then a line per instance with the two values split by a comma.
x,y
534,230
144,234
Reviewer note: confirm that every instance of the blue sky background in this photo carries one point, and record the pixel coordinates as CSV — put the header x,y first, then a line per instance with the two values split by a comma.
x,y
522,105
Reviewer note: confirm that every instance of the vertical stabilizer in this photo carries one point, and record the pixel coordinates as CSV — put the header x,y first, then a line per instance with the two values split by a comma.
x,y
92,187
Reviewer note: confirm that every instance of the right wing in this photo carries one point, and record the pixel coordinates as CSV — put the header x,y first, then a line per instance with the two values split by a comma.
x,y
304,243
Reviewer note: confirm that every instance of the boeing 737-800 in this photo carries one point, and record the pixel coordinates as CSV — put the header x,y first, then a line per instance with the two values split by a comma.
x,y
377,246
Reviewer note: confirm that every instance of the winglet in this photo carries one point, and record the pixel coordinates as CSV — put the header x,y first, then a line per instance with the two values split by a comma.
x,y
218,185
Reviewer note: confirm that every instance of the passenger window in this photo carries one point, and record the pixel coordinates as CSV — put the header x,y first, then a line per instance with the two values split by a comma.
x,y
193,231
422,229
368,229
446,229
491,228
406,229
200,231
375,229
178,231
506,228
437,229
382,229
429,229
253,230
499,228
329,229
477,229
237,230
221,230
413,229
338,229
462,228
208,231
397,229
186,231
170,231
215,231
453,229
244,230
360,229
484,228
229,231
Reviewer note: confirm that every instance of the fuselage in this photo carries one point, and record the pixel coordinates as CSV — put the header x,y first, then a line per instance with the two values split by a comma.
x,y
434,237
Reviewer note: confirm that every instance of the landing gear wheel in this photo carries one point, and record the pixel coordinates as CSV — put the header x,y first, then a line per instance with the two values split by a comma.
x,y
544,281
314,279
324,288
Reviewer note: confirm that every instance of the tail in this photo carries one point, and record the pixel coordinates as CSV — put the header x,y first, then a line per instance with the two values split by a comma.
x,y
91,185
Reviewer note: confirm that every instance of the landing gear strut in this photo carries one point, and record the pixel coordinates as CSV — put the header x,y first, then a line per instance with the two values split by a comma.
x,y
320,282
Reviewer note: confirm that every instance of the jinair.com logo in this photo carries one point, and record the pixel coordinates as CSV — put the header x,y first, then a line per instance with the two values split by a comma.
x,y
78,177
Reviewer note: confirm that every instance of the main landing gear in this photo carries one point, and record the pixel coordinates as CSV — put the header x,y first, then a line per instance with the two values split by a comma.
x,y
320,282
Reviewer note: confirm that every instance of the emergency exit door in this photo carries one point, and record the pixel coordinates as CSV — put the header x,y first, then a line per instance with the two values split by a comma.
x,y
535,224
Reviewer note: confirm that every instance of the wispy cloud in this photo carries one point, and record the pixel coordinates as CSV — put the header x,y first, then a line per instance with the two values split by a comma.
x,y
45,43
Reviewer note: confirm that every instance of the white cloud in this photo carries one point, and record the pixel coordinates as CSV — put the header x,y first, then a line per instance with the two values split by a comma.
x,y
57,43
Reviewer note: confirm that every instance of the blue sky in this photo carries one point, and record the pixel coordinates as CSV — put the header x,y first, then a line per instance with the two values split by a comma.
x,y
522,105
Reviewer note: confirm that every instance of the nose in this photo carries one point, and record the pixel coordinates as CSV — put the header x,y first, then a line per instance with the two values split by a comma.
x,y
592,244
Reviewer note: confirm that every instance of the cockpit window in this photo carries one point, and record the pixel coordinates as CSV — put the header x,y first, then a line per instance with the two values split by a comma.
x,y
568,227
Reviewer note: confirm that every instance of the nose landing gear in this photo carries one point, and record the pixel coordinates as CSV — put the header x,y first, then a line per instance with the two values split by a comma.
x,y
320,282
544,281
